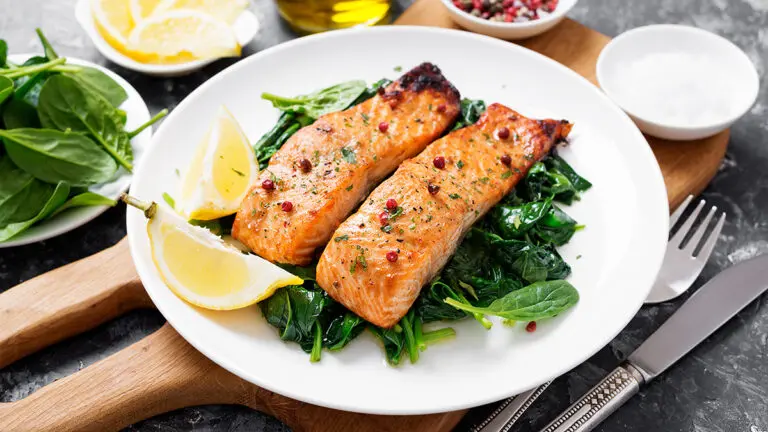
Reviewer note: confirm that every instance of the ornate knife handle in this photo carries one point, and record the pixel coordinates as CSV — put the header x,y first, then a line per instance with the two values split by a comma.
x,y
600,402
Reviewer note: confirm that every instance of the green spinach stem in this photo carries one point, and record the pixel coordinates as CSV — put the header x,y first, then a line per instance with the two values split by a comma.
x,y
317,347
149,123
434,336
29,70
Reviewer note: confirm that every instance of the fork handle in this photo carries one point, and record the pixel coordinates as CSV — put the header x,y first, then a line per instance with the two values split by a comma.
x,y
600,402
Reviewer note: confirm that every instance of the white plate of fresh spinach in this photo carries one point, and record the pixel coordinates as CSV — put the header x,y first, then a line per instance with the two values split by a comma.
x,y
50,195
614,259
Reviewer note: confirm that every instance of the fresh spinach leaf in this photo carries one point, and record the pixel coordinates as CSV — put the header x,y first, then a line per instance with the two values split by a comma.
x,y
100,83
55,200
3,53
53,156
308,273
327,100
50,53
536,301
21,195
431,307
65,105
6,88
85,199
18,113
371,91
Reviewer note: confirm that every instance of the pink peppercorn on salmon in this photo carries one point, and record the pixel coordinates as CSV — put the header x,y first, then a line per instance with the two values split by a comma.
x,y
326,169
410,225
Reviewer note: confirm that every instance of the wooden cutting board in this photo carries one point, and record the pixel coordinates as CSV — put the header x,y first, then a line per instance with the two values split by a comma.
x,y
162,372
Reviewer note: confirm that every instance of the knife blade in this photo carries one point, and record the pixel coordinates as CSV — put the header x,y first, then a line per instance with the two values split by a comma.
x,y
704,312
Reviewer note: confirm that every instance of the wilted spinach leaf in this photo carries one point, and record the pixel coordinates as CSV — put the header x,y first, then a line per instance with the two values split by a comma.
x,y
471,110
392,340
294,310
342,330
515,221
6,88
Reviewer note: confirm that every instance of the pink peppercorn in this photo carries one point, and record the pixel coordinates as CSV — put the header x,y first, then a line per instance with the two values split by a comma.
x,y
506,160
439,162
531,327
391,204
384,218
441,108
433,189
503,133
383,127
286,206
268,185
392,256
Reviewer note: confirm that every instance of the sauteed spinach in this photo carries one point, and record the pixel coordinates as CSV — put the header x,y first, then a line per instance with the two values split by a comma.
x,y
506,266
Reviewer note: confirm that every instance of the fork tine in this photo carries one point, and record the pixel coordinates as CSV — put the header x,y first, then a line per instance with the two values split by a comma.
x,y
679,212
696,237
678,238
709,244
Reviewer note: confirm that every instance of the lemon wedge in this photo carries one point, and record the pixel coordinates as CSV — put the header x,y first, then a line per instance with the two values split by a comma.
x,y
225,10
142,9
182,35
221,172
114,22
202,269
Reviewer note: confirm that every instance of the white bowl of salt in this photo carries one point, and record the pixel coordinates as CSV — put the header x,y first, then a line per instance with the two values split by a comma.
x,y
678,82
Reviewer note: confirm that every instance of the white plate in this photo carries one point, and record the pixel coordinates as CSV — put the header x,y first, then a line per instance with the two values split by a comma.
x,y
621,249
68,220
245,27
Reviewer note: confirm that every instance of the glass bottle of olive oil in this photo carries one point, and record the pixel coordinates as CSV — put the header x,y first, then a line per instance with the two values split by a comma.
x,y
312,16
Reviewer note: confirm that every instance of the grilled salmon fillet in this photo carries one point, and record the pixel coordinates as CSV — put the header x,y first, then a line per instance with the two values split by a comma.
x,y
381,257
326,169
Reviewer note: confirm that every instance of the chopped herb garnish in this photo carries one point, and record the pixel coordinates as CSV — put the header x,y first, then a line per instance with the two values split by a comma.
x,y
528,157
253,212
240,173
454,196
387,228
487,137
347,124
375,158
506,174
460,164
275,179
429,218
365,118
341,238
484,180
177,172
429,107
349,155
349,188
398,69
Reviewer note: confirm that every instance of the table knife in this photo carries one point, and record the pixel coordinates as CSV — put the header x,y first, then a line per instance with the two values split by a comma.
x,y
704,312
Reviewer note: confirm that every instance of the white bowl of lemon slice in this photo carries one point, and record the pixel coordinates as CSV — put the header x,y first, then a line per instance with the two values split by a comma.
x,y
167,37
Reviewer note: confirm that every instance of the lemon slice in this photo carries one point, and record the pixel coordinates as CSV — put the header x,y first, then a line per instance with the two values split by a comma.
x,y
114,22
225,10
202,269
142,9
221,172
182,35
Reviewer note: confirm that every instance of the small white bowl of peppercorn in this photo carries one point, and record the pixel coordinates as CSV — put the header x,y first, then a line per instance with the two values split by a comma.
x,y
508,19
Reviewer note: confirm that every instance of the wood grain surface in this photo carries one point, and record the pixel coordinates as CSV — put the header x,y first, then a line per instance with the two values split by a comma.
x,y
162,372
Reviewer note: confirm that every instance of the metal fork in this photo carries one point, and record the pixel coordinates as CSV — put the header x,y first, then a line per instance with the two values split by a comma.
x,y
679,270
681,267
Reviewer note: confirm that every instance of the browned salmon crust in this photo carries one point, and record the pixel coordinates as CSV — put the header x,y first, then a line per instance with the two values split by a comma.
x,y
355,270
350,153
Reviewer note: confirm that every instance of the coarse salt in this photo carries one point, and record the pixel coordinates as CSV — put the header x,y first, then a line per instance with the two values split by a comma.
x,y
677,88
